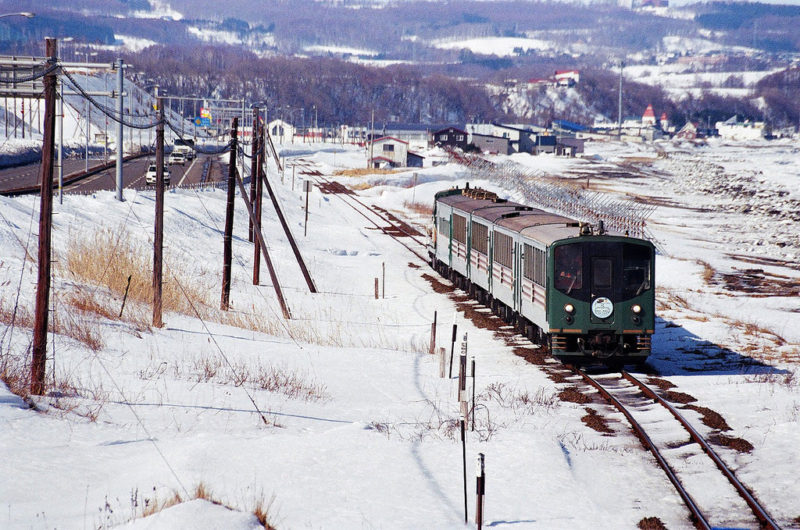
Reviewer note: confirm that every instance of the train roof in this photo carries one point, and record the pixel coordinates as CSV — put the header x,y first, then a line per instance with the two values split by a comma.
x,y
533,223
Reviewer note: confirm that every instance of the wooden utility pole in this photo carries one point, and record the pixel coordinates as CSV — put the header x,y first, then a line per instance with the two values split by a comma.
x,y
260,238
39,352
257,174
227,251
253,173
158,239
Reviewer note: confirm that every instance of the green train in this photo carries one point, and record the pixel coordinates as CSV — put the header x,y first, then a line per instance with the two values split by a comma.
x,y
585,293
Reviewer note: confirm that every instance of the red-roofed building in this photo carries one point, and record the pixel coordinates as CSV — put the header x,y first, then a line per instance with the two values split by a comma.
x,y
567,77
664,122
649,116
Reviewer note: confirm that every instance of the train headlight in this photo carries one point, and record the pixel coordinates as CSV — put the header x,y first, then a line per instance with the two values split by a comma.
x,y
636,308
569,308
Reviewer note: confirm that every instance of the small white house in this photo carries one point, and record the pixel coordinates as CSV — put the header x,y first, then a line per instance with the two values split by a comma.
x,y
732,129
388,151
281,131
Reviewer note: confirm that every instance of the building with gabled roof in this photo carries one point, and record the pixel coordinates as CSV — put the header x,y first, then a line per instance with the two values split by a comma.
x,y
649,116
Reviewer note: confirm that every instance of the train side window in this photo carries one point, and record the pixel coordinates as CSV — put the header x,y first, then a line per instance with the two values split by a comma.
x,y
534,265
444,226
568,268
602,273
480,238
529,261
540,268
635,270
459,228
503,246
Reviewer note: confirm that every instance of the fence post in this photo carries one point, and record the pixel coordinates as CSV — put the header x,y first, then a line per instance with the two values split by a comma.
x,y
480,489
453,344
442,361
473,393
461,422
462,379
376,288
307,189
432,347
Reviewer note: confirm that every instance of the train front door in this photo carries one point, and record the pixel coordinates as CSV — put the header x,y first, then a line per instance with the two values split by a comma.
x,y
603,270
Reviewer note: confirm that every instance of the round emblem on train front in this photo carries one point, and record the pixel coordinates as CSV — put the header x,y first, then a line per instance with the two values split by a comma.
x,y
602,307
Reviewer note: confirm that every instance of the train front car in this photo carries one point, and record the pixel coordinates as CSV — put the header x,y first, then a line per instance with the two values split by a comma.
x,y
601,303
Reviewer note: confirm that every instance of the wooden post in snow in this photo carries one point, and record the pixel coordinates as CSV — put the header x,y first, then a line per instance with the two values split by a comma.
x,y
39,350
432,346
158,239
480,490
255,195
227,249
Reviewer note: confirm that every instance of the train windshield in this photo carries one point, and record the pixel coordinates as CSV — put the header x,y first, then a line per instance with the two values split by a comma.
x,y
636,270
568,268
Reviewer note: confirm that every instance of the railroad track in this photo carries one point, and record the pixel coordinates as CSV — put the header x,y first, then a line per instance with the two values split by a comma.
x,y
383,220
717,498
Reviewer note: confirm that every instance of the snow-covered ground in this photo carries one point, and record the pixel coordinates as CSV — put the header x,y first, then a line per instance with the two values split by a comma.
x,y
363,432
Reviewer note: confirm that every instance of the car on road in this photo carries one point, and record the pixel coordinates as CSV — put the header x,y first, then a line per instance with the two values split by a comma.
x,y
150,175
177,158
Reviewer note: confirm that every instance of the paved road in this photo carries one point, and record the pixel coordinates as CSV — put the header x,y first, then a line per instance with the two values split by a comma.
x,y
28,175
132,174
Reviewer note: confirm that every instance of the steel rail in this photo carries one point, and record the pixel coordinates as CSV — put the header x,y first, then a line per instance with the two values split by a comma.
x,y
382,217
761,514
383,229
697,515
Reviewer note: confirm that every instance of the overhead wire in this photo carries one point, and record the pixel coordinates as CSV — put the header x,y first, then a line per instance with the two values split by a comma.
x,y
16,80
114,115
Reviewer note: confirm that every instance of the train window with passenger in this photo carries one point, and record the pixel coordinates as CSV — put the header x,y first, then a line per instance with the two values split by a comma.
x,y
636,270
568,268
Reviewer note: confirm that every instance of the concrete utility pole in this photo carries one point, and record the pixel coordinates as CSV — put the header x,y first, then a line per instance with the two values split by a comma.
x,y
158,239
39,350
120,148
227,249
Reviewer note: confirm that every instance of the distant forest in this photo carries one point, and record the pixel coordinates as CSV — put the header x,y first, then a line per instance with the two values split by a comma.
x,y
441,85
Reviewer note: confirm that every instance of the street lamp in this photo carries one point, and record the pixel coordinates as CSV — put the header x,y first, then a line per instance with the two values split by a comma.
x,y
88,116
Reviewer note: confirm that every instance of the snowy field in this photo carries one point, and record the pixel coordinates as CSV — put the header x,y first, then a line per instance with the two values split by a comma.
x,y
338,418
